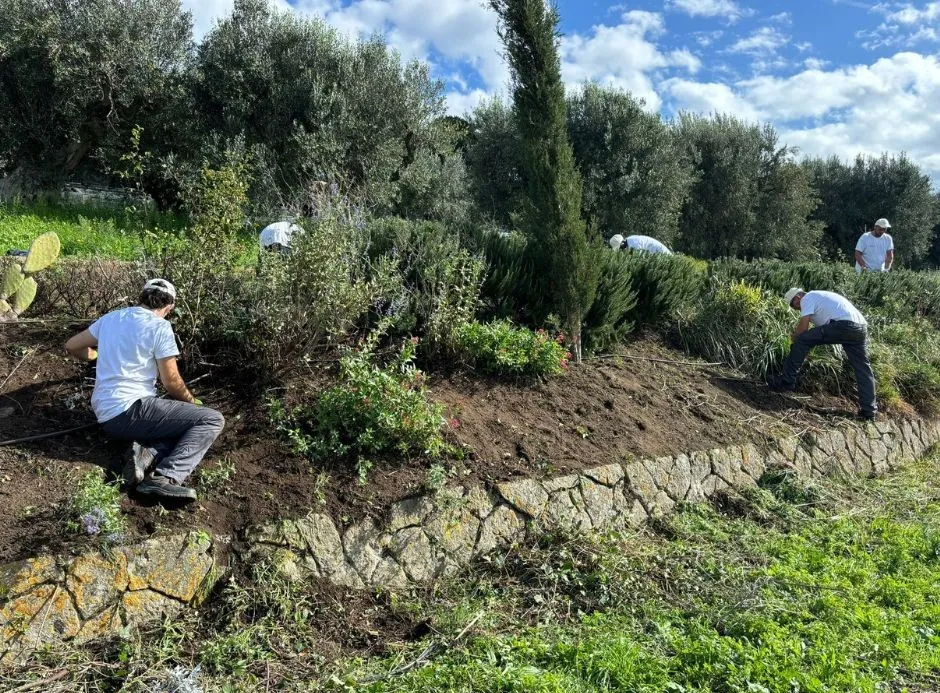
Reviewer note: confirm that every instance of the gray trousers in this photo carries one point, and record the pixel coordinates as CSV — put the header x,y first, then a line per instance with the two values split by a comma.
x,y
177,434
854,340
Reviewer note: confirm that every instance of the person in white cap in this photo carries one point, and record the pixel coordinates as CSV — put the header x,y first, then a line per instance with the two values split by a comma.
x,y
646,244
874,251
835,321
133,346
278,236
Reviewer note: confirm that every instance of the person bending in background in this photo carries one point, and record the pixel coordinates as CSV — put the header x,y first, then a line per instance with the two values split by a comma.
x,y
133,346
835,321
647,244
874,251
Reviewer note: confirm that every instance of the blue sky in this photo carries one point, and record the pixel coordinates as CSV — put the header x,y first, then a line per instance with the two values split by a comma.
x,y
834,76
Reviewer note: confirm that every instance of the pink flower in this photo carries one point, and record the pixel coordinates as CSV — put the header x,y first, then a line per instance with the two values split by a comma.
x,y
455,423
415,341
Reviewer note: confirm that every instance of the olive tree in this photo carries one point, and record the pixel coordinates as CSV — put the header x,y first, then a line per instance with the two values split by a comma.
x,y
76,76
855,194
749,198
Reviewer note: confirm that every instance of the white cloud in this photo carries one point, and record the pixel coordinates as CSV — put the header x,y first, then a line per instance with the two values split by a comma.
x,y
842,111
764,40
707,38
623,56
206,12
460,103
782,18
909,14
710,97
726,9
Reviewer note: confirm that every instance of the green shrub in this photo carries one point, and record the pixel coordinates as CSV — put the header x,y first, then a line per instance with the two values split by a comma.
x,y
738,325
313,299
664,284
901,294
503,349
908,352
95,509
613,314
439,282
371,410
776,276
506,291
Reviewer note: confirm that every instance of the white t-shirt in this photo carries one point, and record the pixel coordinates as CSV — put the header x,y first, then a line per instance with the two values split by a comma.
x,y
129,343
823,306
280,232
874,250
647,243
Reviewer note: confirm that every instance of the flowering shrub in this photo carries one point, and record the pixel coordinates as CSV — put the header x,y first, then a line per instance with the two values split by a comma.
x,y
502,348
95,509
372,410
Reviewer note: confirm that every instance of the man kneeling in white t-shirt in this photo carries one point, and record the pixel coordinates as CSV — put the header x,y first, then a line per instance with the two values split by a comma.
x,y
170,436
836,321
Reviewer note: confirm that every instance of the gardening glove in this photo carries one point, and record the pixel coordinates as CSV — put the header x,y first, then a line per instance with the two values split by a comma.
x,y
92,354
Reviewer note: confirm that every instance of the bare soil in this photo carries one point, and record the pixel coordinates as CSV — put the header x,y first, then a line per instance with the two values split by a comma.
x,y
600,412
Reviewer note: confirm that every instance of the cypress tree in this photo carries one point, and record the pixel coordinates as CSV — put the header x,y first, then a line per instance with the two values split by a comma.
x,y
565,266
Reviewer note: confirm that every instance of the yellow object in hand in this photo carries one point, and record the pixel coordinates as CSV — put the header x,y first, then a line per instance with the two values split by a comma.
x,y
92,354
197,402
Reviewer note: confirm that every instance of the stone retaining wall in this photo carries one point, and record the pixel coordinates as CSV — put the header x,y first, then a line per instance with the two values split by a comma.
x,y
422,538
432,536
50,599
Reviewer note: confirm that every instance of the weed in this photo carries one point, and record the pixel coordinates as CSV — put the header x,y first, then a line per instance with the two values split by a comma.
x,y
215,477
95,509
319,488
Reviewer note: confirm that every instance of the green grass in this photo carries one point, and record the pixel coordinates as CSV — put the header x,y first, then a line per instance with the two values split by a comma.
x,y
83,230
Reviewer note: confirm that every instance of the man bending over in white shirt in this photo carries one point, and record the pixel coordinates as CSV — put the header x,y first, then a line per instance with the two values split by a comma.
x,y
644,243
874,251
170,436
836,321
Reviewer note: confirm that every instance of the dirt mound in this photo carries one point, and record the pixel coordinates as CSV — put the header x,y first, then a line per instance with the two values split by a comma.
x,y
603,410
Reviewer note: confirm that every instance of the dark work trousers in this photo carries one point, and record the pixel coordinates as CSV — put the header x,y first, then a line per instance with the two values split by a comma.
x,y
178,434
854,340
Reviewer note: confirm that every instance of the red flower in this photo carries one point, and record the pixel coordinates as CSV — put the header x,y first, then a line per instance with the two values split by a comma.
x,y
455,423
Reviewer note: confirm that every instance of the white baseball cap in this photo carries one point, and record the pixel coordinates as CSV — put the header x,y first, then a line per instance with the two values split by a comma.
x,y
162,285
791,294
883,223
616,241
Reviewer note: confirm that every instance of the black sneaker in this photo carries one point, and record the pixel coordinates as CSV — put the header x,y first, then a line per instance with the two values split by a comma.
x,y
865,416
163,487
136,467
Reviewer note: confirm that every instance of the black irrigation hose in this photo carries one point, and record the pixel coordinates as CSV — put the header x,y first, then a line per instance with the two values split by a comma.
x,y
43,436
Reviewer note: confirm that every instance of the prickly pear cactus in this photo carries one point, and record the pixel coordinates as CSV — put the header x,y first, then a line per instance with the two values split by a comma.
x,y
23,298
18,287
42,253
13,279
